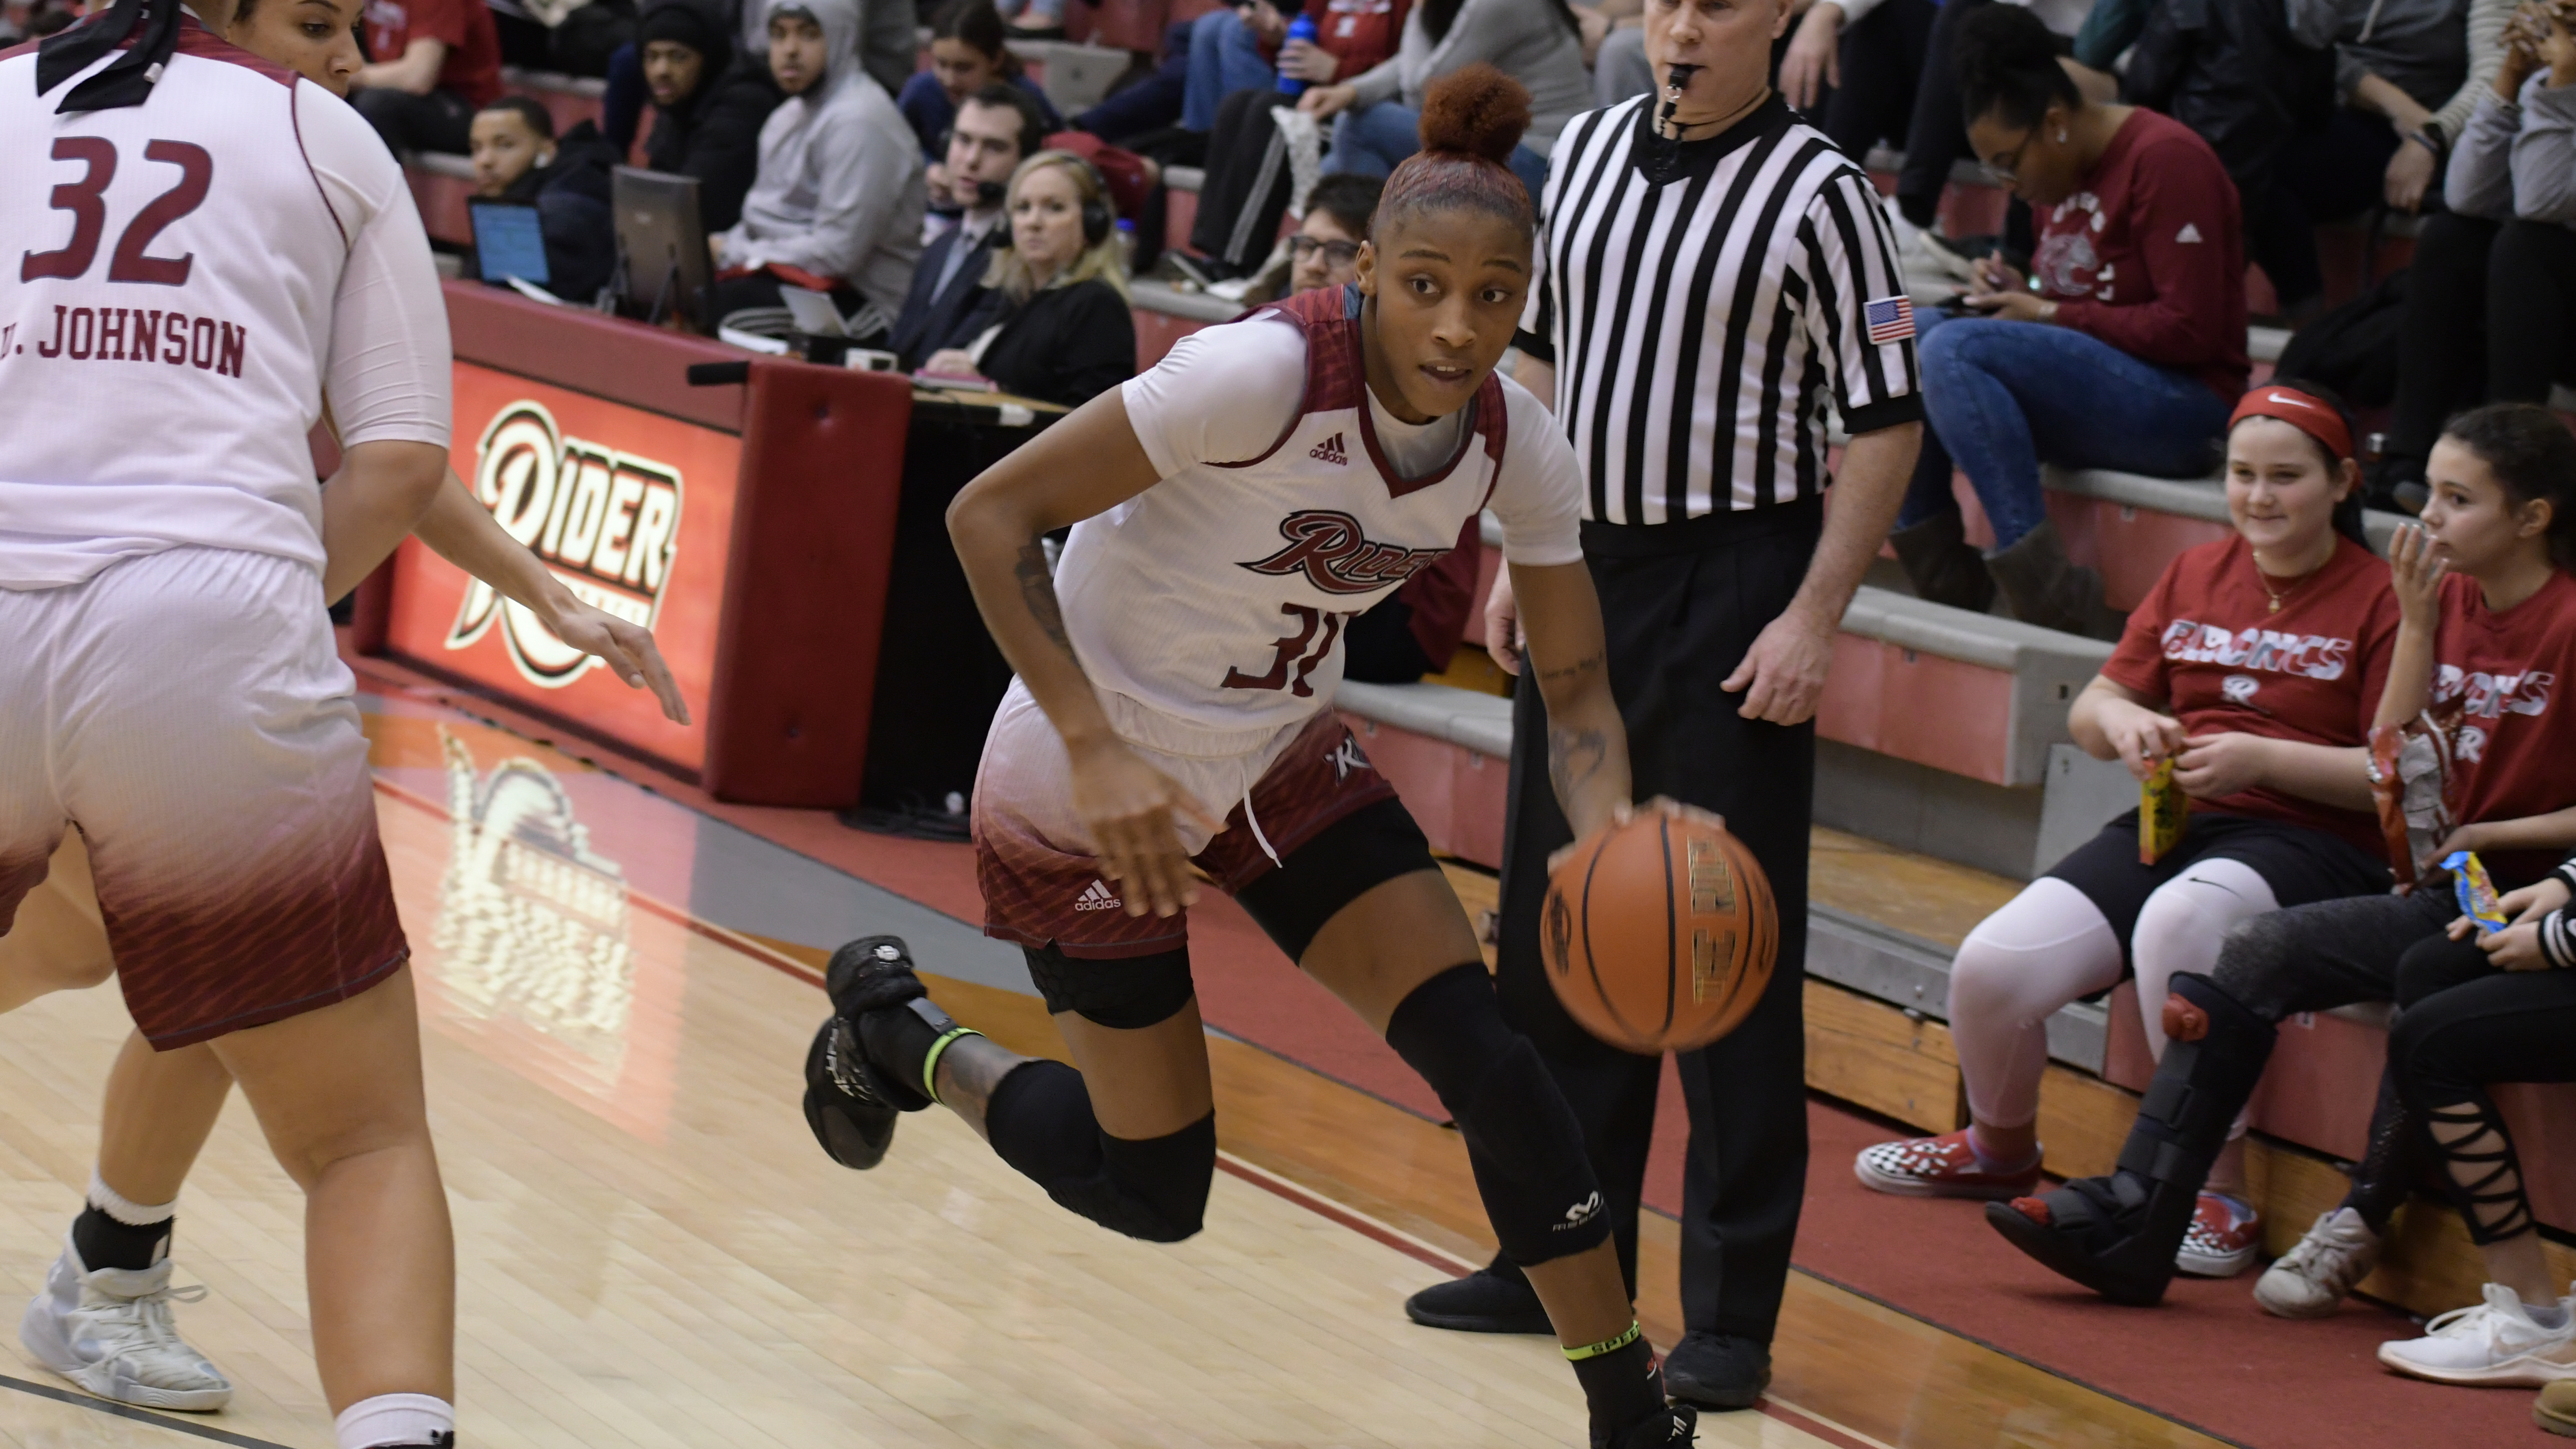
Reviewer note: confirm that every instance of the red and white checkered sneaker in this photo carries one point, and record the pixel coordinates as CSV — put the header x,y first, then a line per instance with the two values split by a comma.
x,y
1943,1166
2222,1238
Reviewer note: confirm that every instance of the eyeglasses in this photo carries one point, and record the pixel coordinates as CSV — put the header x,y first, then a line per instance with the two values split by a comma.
x,y
1336,253
2006,169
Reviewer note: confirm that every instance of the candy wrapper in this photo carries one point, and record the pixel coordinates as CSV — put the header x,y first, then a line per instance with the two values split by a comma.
x,y
2412,779
2477,893
2163,811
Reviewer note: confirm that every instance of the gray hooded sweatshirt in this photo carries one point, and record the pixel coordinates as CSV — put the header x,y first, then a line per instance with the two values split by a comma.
x,y
840,190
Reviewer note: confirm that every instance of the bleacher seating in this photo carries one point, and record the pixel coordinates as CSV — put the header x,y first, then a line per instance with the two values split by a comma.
x,y
1164,315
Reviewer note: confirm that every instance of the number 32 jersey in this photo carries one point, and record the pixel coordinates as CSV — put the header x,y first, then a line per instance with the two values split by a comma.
x,y
1291,502
179,282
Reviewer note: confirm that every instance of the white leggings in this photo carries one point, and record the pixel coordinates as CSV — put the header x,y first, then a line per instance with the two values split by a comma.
x,y
2051,945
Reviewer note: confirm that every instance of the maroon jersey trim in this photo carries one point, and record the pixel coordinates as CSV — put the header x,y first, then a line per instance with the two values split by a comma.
x,y
1337,378
197,40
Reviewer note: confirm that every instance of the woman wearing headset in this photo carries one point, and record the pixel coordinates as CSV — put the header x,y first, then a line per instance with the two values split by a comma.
x,y
1054,324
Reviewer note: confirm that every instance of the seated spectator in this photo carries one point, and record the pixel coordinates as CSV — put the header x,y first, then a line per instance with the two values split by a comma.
x,y
518,158
437,62
2482,1008
2502,519
2408,73
1377,115
1325,252
2491,296
1249,170
968,51
1054,324
838,200
996,129
1150,104
708,106
888,50
2271,745
1860,60
1936,138
2124,349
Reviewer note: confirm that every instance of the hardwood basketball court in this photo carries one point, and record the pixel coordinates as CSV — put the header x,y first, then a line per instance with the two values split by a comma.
x,y
653,1252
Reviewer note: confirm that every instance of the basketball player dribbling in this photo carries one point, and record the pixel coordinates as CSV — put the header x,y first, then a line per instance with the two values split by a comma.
x,y
210,244
1232,510
104,1320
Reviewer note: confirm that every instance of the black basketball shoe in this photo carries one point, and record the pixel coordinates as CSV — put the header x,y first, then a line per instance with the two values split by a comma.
x,y
849,1103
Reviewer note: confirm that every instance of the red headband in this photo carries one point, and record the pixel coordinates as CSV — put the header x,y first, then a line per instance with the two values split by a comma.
x,y
2312,416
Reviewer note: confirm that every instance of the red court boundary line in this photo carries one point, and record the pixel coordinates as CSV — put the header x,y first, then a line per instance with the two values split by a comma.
x,y
1323,1207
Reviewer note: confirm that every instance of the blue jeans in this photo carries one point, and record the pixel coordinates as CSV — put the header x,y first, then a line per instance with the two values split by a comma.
x,y
1370,140
1224,58
2003,397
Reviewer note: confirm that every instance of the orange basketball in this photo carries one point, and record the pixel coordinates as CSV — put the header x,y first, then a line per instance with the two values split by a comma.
x,y
1660,934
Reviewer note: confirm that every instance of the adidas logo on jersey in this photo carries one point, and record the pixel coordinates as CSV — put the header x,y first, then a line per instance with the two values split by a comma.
x,y
607,524
1097,897
1330,450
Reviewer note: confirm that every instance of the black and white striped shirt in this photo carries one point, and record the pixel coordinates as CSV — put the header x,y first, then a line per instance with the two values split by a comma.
x,y
1698,327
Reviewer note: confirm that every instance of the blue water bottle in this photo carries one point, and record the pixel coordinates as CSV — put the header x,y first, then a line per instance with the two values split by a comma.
x,y
1301,28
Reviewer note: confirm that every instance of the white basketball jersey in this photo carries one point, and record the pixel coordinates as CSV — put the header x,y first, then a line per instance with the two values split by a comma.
x,y
1219,595
168,277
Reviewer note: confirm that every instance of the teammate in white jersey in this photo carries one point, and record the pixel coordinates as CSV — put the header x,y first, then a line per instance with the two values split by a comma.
x,y
214,242
104,1319
1231,511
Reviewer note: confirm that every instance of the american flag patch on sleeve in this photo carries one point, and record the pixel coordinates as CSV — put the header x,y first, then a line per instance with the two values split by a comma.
x,y
1889,319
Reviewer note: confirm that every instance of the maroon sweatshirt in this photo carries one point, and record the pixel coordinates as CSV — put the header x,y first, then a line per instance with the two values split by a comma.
x,y
2149,254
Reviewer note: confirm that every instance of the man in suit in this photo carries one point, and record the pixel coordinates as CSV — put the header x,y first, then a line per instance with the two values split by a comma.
x,y
997,128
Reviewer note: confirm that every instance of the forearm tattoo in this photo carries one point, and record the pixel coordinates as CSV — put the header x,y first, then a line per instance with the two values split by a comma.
x,y
1574,671
1574,756
1037,591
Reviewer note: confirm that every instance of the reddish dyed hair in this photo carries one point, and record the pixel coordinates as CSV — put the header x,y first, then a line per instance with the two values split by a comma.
x,y
1471,120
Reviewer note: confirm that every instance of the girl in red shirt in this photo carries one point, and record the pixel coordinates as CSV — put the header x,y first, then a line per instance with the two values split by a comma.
x,y
2253,666
2496,638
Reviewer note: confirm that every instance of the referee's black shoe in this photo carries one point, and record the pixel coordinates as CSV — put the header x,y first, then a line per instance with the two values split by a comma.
x,y
1493,1299
1717,1370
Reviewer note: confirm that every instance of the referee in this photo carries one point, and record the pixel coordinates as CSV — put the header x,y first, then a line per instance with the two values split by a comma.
x,y
1712,274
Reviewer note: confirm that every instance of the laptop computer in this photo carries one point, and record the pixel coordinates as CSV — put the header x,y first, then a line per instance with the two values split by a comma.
x,y
508,242
662,265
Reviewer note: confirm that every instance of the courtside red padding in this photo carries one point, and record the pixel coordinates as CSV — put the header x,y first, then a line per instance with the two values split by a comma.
x,y
804,596
813,511
644,367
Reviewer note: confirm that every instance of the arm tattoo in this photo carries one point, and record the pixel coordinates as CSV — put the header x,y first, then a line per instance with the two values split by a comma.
x,y
1573,757
1037,591
1576,670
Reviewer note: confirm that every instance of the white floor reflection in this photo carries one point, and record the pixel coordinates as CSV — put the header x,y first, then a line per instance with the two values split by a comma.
x,y
533,939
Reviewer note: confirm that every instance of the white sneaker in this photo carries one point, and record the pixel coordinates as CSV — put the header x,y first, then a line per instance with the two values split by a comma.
x,y
110,1332
2311,1279
2494,1342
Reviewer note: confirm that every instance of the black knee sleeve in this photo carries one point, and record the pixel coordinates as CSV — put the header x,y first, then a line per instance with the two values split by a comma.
x,y
1125,994
1522,1139
1040,1122
2213,1059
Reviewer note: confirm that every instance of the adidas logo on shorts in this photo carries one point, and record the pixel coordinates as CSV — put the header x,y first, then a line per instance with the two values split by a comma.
x,y
1097,897
1330,450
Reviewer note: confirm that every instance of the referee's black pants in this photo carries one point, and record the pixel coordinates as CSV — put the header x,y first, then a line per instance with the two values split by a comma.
x,y
1682,604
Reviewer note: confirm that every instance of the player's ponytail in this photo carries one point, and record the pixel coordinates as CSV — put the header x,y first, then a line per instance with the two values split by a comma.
x,y
1472,118
128,81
